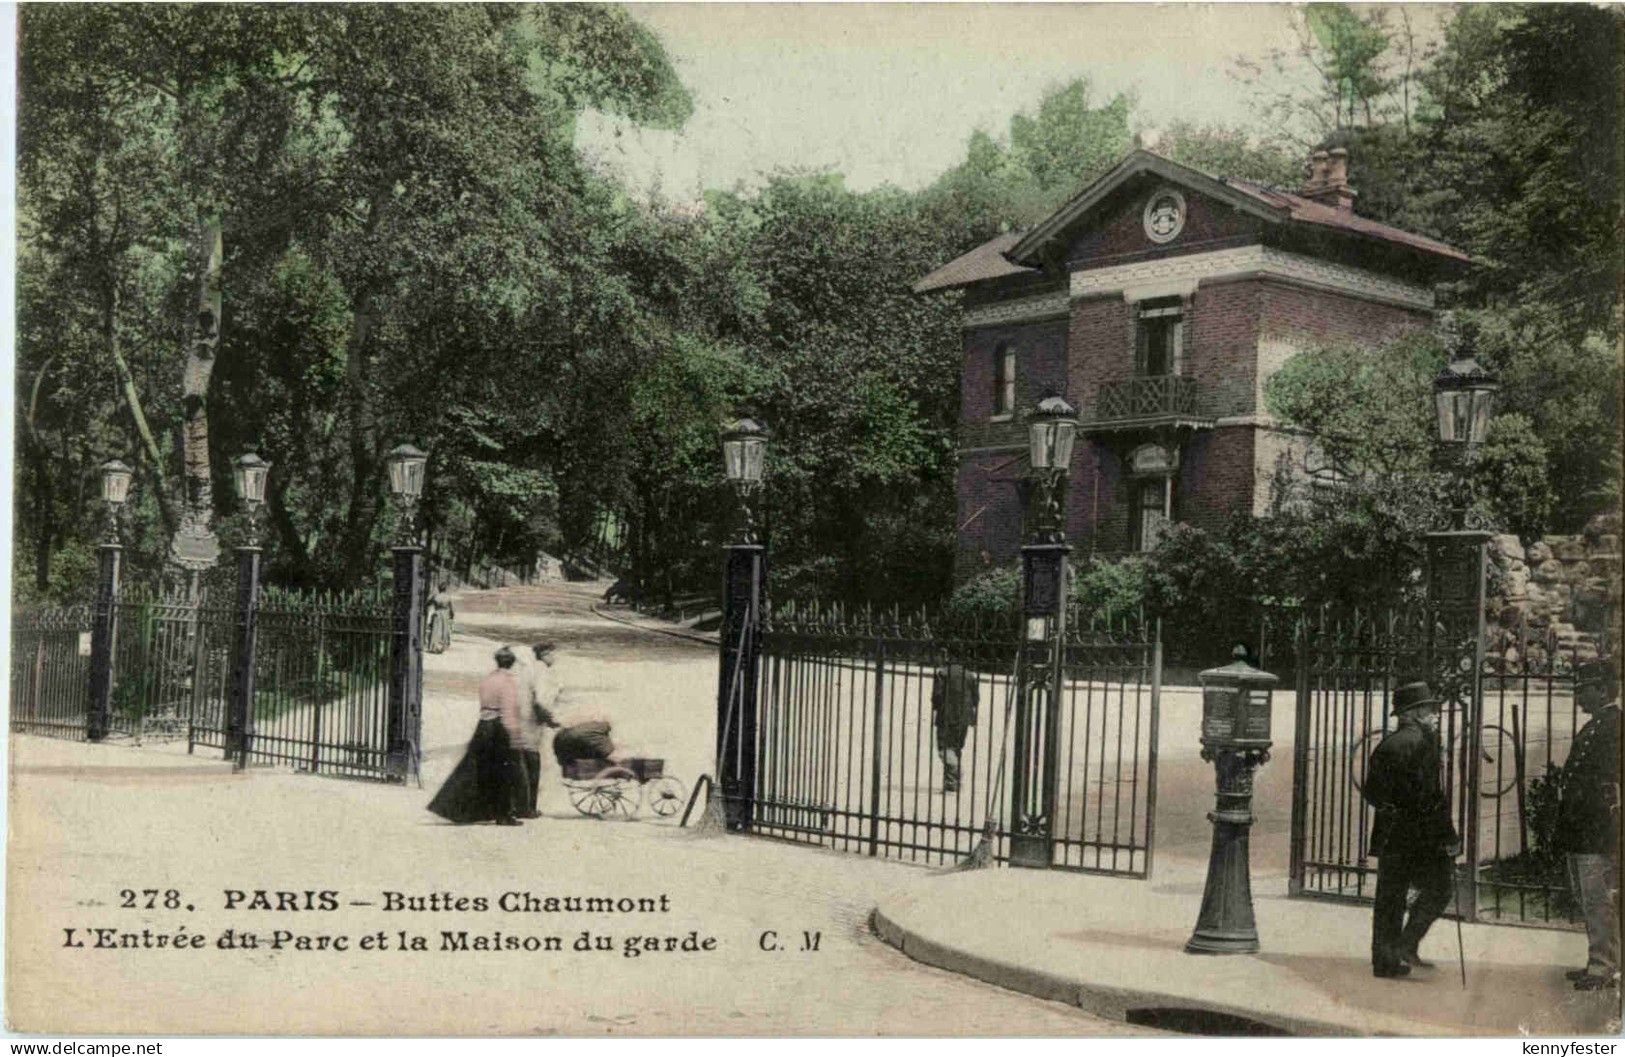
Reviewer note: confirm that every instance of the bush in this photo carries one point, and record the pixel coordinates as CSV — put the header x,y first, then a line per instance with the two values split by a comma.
x,y
1107,590
988,599
1112,589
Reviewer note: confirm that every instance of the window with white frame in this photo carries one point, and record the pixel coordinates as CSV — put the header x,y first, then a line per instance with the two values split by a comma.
x,y
1159,337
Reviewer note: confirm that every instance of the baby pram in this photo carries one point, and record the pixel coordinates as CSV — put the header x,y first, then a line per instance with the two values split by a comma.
x,y
601,786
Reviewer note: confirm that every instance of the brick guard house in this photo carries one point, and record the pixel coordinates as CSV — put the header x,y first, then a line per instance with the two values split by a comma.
x,y
1158,301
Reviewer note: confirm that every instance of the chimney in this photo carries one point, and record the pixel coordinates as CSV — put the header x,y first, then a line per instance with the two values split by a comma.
x,y
1328,179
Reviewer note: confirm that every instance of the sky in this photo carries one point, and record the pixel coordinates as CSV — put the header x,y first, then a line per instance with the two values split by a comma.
x,y
890,93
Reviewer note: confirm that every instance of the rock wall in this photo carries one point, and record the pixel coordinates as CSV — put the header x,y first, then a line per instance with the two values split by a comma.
x,y
1564,590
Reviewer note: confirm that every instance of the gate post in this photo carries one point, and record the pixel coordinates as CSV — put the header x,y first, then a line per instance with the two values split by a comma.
x,y
403,711
744,444
1456,572
116,479
405,707
745,567
1035,775
103,627
240,716
1032,802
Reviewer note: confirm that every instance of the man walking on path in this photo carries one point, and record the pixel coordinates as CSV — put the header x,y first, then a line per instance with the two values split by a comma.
x,y
1588,821
953,711
1412,837
539,693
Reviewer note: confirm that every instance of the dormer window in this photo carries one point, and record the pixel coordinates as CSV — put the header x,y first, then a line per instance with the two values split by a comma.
x,y
1004,381
1159,337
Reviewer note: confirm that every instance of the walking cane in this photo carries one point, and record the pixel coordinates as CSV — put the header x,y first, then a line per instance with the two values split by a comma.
x,y
1461,953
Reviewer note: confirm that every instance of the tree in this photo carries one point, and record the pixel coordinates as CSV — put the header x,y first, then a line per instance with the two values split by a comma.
x,y
1224,151
400,179
1051,154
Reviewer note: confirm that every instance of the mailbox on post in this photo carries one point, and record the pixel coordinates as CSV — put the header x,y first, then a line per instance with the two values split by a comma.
x,y
1236,738
1236,706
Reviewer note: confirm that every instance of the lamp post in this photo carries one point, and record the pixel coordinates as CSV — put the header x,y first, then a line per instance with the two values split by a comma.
x,y
250,472
405,708
1464,396
116,479
1236,740
744,448
1052,428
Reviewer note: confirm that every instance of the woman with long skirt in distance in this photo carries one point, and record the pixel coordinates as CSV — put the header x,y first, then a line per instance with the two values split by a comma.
x,y
489,785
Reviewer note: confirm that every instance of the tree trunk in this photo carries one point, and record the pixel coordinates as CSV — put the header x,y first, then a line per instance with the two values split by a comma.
x,y
200,359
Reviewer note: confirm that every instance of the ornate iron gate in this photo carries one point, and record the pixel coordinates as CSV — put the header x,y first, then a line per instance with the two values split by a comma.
x,y
847,754
1506,722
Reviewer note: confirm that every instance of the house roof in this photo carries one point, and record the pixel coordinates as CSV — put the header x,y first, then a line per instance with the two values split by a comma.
x,y
986,261
1014,254
1309,211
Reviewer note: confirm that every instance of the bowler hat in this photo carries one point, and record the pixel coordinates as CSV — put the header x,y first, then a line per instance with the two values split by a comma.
x,y
1413,695
1600,672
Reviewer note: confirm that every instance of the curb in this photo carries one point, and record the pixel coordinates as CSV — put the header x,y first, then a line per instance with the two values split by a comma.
x,y
673,632
1100,1000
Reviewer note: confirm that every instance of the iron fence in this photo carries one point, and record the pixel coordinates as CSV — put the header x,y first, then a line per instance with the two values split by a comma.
x,y
847,753
321,667
50,669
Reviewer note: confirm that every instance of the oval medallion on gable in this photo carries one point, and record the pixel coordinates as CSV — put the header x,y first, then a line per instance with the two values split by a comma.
x,y
1164,215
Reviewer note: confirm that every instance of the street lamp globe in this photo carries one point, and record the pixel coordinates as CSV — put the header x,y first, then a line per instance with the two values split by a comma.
x,y
406,465
116,482
1052,427
1464,393
251,472
744,443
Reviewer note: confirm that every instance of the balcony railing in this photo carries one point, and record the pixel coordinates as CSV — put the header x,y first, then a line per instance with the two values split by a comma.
x,y
1154,399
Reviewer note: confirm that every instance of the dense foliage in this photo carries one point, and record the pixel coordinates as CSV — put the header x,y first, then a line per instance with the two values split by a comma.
x,y
415,251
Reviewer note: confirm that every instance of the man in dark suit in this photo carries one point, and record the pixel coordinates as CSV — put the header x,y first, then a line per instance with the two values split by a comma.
x,y
1412,838
1588,821
954,697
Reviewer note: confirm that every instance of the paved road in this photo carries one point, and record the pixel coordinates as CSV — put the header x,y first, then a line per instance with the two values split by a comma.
x,y
88,822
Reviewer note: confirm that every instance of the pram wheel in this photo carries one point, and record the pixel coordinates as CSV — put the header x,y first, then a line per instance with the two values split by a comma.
x,y
612,793
664,796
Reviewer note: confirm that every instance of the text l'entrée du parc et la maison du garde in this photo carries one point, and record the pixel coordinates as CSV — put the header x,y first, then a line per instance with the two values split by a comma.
x,y
281,920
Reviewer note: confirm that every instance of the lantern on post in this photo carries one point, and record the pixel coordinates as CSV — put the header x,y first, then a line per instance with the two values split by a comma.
x,y
744,448
406,465
116,479
403,718
1464,395
1052,427
251,473
1458,570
